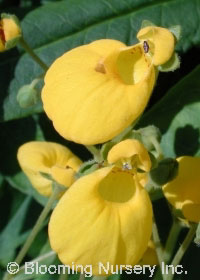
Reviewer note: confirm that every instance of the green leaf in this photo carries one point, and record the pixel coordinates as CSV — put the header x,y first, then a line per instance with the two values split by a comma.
x,y
58,27
146,23
177,116
170,65
20,182
176,30
10,237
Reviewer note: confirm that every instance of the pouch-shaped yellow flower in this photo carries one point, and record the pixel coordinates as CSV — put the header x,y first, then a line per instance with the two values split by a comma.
x,y
50,158
130,152
105,217
93,92
9,31
159,42
184,191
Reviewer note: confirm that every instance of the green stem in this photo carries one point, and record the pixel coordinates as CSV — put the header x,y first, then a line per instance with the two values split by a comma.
x,y
158,245
95,152
34,82
157,148
81,277
63,277
35,229
182,249
39,259
99,277
37,226
29,50
172,240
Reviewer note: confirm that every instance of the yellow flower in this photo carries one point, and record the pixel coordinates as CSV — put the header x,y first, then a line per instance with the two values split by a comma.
x,y
130,153
159,41
184,191
105,217
150,256
93,92
50,158
10,31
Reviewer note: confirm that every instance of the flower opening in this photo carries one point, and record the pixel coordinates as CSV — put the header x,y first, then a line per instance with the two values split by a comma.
x,y
113,229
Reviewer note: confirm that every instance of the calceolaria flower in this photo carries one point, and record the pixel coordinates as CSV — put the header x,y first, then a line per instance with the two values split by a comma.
x,y
183,192
36,158
10,31
105,216
93,92
130,153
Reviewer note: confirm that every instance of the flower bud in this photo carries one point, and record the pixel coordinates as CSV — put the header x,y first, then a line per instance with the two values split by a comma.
x,y
10,32
27,96
165,172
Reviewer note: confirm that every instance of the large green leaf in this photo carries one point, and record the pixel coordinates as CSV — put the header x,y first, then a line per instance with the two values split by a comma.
x,y
10,237
177,115
57,27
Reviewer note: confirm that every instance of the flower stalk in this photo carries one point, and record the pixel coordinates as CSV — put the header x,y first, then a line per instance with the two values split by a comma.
x,y
95,152
35,57
158,245
182,249
172,240
36,228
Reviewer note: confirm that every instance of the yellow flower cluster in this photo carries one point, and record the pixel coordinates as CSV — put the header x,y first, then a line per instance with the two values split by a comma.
x,y
92,93
109,207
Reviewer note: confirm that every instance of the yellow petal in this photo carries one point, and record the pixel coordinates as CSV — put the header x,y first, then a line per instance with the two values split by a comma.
x,y
183,192
142,178
10,28
191,211
150,256
133,65
161,42
85,97
51,158
105,217
63,175
130,148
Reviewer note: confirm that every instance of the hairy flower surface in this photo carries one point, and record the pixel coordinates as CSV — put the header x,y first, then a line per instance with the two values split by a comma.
x,y
105,217
9,31
50,158
183,192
